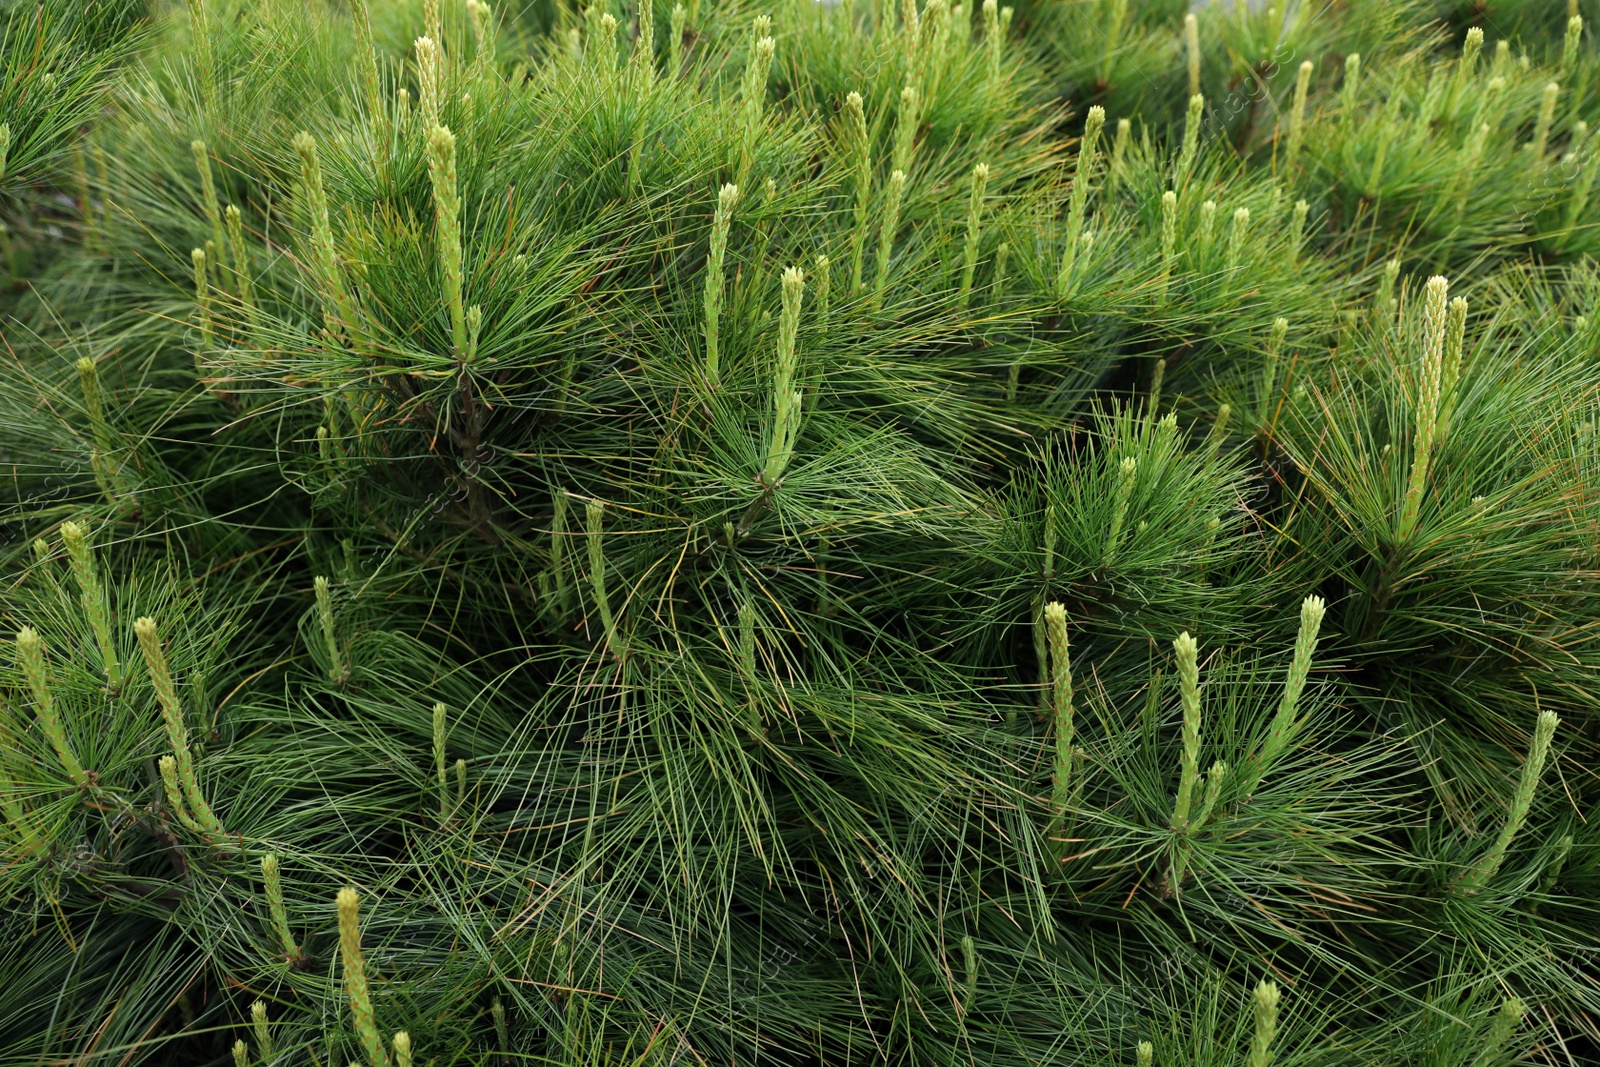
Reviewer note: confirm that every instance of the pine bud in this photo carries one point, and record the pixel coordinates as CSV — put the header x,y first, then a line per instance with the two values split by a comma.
x,y
905,129
1471,46
1541,127
1477,876
1489,101
911,33
30,656
1119,149
447,223
1576,143
497,1011
338,673
1127,472
355,977
679,20
173,788
5,147
1208,223
993,37
1427,404
861,145
720,224
1214,779
1191,138
441,730
92,599
1454,344
938,24
1265,999
1055,621
172,718
263,1035
1187,652
89,383
786,413
1079,198
325,453
208,190
1352,85
1312,610
747,639
1297,115
239,251
482,18
202,295
361,23
1269,374
1435,312
338,310
756,73
1049,545
1501,1027
241,1054
474,330
273,889
1145,1054
1284,723
1241,224
428,77
402,1045
1169,239
1571,44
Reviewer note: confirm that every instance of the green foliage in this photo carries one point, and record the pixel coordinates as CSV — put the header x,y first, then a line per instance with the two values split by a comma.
x,y
831,533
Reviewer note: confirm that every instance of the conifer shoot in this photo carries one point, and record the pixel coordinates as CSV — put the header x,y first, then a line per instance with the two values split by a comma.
x,y
1478,875
355,977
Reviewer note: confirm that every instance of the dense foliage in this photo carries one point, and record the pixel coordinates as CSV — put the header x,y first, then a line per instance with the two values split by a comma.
x,y
807,533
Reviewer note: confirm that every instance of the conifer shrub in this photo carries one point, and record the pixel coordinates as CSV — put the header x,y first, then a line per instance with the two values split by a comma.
x,y
828,533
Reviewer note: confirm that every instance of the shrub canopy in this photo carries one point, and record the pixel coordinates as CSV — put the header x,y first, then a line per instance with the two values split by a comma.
x,y
818,533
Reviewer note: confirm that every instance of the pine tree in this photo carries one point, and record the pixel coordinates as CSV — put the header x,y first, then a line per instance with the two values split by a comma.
x,y
825,533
